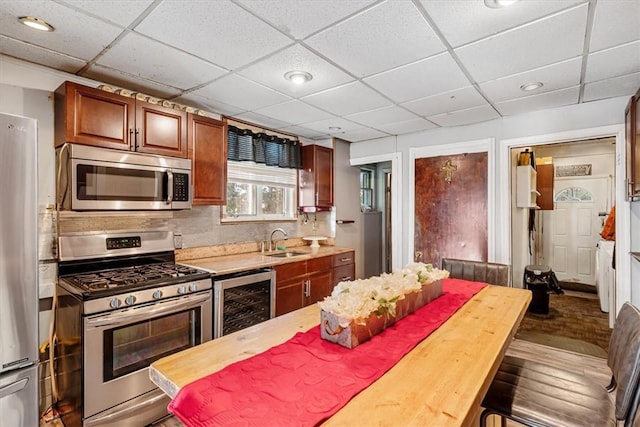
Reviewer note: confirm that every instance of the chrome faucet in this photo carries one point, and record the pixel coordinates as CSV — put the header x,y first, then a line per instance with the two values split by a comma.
x,y
271,242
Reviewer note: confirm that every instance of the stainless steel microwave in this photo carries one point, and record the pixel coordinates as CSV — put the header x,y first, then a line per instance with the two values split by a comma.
x,y
91,178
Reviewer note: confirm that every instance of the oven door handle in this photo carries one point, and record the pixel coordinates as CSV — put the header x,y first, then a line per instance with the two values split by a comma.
x,y
113,416
143,313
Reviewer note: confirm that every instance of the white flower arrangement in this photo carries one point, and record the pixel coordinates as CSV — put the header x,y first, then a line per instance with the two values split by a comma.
x,y
355,300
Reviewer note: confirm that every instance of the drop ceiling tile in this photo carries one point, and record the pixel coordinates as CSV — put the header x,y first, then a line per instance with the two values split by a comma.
x,y
541,101
270,72
409,126
337,125
613,62
386,36
382,116
614,23
199,102
40,55
300,18
130,82
219,31
304,131
465,117
362,134
346,99
429,76
611,88
120,12
454,100
76,34
480,21
155,61
527,46
557,76
262,120
294,112
241,93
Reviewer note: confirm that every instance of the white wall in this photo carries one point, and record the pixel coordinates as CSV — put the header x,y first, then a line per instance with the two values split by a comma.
x,y
347,203
505,131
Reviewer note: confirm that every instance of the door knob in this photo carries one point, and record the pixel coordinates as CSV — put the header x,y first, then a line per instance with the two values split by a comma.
x,y
418,255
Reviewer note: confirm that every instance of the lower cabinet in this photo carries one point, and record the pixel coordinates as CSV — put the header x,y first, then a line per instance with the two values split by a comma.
x,y
302,283
344,267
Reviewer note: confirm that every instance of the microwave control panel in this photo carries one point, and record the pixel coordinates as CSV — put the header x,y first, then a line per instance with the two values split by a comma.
x,y
180,187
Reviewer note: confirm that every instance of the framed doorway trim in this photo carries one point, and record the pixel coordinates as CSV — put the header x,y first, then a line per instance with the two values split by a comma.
x,y
623,210
477,146
396,200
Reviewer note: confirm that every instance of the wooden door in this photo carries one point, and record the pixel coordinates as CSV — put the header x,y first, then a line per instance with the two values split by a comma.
x,y
160,130
208,153
89,116
451,208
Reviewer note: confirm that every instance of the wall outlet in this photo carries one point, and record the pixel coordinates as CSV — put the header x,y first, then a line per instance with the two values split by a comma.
x,y
177,241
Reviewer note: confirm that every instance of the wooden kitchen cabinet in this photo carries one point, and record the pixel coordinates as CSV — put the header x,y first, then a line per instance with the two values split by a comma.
x,y
344,267
89,116
632,136
316,176
207,142
302,283
544,186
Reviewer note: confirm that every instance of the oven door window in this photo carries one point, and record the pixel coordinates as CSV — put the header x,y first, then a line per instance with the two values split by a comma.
x,y
135,346
120,184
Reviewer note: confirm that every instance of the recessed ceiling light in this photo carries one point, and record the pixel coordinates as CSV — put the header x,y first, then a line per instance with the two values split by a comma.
x,y
497,4
35,23
298,77
527,87
335,128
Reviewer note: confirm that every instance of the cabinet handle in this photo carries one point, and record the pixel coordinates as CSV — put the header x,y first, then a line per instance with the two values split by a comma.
x,y
135,140
342,279
345,259
307,288
316,198
131,138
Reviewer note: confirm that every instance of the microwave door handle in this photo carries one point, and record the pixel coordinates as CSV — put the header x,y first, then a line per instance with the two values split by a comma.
x,y
169,187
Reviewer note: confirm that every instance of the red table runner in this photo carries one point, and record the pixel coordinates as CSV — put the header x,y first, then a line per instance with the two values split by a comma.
x,y
307,379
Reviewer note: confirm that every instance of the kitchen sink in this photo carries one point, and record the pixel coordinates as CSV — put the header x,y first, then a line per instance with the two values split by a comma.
x,y
287,254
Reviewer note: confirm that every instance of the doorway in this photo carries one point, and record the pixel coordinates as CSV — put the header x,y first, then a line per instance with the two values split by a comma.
x,y
565,235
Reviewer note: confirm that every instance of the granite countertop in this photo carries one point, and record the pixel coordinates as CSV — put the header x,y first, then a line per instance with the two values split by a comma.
x,y
226,264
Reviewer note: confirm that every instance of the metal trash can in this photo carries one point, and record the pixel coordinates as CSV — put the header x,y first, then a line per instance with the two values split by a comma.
x,y
537,279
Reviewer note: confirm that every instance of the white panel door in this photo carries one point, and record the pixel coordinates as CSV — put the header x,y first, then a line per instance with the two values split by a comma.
x,y
571,231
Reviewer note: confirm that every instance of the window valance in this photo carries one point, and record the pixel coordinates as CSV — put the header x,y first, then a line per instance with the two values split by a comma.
x,y
260,147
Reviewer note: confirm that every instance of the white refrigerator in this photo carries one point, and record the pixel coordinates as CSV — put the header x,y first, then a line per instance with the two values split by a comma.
x,y
18,272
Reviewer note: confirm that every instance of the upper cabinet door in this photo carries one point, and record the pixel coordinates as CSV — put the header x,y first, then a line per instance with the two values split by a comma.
x,y
160,130
316,176
208,154
93,117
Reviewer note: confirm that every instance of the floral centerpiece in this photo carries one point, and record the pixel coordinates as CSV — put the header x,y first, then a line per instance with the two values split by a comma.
x,y
356,310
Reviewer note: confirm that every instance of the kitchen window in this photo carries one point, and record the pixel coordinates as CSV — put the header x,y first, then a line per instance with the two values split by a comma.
x,y
256,192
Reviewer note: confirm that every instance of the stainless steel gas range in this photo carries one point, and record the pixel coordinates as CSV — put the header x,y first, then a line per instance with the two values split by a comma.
x,y
122,303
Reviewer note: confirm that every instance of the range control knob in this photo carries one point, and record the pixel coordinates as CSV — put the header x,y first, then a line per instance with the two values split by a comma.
x,y
157,294
182,289
193,287
115,303
130,300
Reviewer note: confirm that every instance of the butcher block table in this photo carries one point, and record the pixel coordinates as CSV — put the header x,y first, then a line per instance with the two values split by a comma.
x,y
441,382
